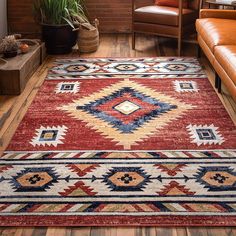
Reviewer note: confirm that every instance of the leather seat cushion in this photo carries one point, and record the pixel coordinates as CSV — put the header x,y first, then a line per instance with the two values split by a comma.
x,y
226,57
217,31
163,15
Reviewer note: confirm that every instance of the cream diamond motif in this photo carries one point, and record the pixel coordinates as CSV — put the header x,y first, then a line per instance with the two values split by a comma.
x,y
49,136
67,87
126,107
205,134
185,86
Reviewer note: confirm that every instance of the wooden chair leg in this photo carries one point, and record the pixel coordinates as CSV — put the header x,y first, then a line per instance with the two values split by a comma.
x,y
219,84
179,46
199,51
216,80
133,40
180,27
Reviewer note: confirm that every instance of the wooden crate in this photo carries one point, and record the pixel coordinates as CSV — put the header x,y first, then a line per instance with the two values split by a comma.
x,y
15,72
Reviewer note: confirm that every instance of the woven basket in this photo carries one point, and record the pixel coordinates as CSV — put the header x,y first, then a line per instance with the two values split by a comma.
x,y
88,39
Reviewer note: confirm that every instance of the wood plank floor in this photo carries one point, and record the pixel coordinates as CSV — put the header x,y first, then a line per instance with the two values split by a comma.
x,y
13,108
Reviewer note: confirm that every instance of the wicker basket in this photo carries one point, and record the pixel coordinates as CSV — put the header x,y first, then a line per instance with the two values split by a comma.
x,y
88,39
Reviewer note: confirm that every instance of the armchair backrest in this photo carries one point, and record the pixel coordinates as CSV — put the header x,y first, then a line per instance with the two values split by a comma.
x,y
142,3
193,4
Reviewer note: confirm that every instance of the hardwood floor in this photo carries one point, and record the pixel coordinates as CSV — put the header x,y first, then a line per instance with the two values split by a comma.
x,y
12,110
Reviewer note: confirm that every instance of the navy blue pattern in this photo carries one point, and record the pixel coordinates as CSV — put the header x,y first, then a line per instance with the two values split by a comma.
x,y
130,183
161,108
34,180
219,175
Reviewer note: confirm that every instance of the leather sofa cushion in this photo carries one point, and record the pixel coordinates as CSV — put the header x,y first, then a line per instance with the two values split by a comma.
x,y
171,3
163,15
218,13
226,57
217,31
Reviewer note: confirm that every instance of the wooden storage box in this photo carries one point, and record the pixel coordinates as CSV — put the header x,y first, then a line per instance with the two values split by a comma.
x,y
15,72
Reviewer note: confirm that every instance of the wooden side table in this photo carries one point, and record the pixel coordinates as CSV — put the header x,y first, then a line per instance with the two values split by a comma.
x,y
221,3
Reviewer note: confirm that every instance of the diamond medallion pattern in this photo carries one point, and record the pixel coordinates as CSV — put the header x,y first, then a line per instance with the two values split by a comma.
x,y
130,111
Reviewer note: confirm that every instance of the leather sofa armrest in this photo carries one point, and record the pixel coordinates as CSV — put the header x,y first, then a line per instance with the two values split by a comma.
x,y
217,13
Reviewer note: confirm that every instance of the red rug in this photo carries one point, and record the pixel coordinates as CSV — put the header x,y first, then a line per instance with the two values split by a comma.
x,y
114,142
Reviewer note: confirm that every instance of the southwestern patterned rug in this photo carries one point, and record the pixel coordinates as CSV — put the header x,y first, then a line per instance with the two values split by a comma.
x,y
114,142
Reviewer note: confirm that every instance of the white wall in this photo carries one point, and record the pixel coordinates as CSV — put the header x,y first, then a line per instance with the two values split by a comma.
x,y
3,18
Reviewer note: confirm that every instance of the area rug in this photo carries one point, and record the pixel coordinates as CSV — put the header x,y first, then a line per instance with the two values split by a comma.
x,y
122,142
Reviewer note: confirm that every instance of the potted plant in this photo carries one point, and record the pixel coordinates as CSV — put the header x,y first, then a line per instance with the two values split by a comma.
x,y
9,46
57,20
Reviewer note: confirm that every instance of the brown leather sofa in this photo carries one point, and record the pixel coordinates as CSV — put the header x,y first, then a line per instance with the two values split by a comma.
x,y
217,38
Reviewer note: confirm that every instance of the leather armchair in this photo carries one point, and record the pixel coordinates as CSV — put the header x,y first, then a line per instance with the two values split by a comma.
x,y
162,20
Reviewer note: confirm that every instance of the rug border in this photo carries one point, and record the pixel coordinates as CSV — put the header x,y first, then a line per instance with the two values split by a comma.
x,y
115,221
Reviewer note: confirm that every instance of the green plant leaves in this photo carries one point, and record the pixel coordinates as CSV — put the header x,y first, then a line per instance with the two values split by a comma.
x,y
57,12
